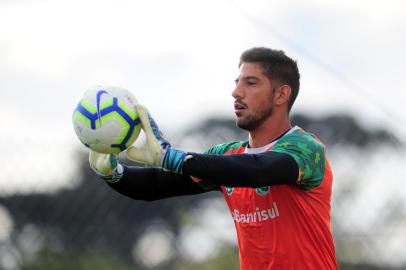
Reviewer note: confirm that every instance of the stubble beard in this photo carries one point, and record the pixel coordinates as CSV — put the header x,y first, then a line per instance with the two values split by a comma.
x,y
255,120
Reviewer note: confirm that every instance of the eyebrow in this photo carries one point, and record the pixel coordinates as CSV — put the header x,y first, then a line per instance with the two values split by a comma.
x,y
247,78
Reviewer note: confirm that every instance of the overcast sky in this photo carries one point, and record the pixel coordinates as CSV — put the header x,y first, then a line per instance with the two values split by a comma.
x,y
179,58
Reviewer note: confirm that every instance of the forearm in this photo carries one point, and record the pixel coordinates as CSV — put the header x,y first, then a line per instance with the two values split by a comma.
x,y
243,170
150,184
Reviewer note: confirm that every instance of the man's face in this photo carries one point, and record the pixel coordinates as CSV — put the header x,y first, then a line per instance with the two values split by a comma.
x,y
253,97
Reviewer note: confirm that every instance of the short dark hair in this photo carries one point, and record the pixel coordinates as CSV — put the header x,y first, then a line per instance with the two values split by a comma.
x,y
277,66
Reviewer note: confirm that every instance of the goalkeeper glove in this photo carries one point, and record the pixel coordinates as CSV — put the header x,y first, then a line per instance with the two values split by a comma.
x,y
106,166
157,151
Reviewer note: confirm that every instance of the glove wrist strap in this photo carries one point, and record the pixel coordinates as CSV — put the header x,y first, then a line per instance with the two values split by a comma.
x,y
117,174
173,160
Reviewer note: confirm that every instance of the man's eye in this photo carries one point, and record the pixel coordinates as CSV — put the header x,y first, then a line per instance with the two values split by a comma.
x,y
251,83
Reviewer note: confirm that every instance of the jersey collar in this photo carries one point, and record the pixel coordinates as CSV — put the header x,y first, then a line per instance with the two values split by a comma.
x,y
269,145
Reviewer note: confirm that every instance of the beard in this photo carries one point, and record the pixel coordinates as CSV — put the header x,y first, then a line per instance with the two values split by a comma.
x,y
254,120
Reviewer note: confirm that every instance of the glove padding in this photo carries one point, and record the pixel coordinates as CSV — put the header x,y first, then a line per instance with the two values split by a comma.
x,y
157,151
106,166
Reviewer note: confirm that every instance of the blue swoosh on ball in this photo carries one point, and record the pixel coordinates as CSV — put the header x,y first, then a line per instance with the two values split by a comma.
x,y
98,98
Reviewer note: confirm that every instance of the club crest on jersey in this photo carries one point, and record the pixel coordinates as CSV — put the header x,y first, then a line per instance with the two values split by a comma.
x,y
229,190
262,191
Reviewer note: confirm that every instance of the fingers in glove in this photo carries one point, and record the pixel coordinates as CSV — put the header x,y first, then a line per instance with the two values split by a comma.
x,y
103,163
143,114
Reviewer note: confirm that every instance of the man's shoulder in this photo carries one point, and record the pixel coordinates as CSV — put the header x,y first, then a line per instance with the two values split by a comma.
x,y
308,152
223,148
300,136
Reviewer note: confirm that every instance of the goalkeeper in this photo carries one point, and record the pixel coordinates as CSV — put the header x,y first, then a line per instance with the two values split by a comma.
x,y
277,184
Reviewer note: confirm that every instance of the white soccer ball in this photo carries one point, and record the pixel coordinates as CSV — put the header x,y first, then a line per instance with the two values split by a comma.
x,y
106,120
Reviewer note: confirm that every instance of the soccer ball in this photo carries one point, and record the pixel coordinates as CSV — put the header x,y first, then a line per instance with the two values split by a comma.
x,y
105,120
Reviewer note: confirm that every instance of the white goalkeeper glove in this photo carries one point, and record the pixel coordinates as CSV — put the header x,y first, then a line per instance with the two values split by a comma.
x,y
106,166
157,151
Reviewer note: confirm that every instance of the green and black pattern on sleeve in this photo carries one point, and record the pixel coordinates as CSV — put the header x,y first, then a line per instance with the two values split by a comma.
x,y
309,154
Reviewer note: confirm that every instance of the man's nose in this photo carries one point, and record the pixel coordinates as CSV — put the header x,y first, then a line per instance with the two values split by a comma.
x,y
237,92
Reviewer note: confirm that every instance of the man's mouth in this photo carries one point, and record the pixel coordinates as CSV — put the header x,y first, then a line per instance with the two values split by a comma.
x,y
239,106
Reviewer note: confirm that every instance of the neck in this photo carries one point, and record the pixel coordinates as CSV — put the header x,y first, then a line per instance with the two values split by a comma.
x,y
271,129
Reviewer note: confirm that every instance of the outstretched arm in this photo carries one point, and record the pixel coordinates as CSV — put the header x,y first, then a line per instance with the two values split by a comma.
x,y
142,183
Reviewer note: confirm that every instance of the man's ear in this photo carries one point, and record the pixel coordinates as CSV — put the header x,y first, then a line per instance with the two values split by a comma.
x,y
282,94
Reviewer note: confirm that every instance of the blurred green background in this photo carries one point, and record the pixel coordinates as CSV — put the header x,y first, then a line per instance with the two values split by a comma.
x,y
180,58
